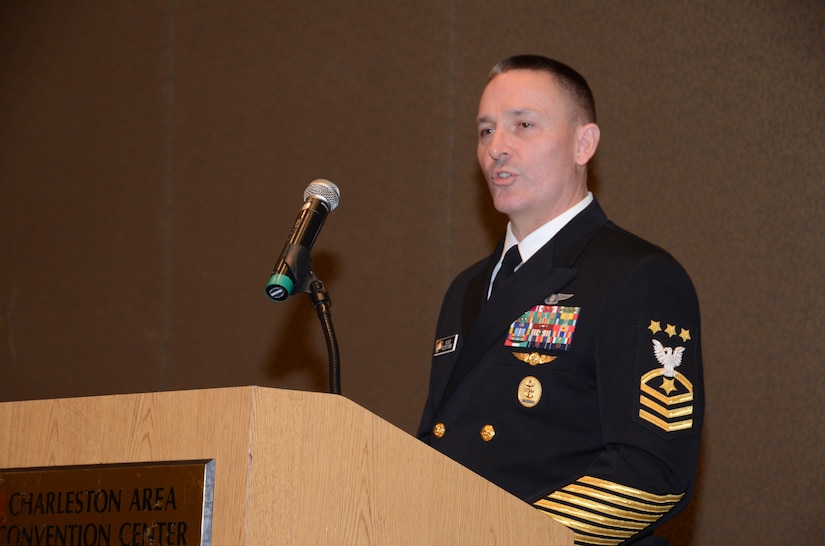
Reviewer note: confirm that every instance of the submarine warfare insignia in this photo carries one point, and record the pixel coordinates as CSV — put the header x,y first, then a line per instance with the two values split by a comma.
x,y
553,299
534,359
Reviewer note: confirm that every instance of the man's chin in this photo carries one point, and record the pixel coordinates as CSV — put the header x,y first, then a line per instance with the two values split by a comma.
x,y
507,204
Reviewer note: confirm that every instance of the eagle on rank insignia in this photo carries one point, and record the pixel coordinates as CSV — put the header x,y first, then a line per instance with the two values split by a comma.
x,y
666,395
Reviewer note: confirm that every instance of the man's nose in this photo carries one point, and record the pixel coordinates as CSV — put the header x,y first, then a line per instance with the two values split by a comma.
x,y
499,145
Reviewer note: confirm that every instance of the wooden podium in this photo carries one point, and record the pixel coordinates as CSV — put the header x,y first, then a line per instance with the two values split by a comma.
x,y
291,467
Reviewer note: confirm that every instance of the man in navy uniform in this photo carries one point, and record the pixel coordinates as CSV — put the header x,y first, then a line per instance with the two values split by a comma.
x,y
567,365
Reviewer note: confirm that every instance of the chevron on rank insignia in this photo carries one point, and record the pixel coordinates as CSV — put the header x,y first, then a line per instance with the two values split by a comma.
x,y
544,327
666,395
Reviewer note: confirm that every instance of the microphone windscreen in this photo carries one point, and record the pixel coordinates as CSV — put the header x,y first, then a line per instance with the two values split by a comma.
x,y
324,190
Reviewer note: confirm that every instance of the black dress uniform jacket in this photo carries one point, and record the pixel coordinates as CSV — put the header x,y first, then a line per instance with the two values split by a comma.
x,y
578,385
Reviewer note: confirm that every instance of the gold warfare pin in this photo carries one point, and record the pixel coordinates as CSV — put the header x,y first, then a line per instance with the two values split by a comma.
x,y
534,359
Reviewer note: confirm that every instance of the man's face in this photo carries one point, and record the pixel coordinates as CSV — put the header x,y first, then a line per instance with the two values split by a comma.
x,y
529,148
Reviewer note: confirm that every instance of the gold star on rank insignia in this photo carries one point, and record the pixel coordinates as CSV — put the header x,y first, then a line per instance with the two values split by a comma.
x,y
667,385
655,326
684,334
670,330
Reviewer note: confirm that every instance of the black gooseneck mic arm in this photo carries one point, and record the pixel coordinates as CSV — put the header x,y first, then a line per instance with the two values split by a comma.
x,y
322,303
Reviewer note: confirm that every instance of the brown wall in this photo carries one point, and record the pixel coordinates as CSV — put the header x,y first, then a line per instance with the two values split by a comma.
x,y
153,157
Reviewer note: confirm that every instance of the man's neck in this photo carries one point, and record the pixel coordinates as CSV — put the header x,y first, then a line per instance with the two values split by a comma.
x,y
532,242
522,227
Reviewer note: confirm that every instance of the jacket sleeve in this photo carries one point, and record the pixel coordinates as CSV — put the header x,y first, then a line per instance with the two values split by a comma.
x,y
649,379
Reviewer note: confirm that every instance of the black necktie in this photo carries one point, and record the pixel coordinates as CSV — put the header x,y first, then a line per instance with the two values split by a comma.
x,y
508,265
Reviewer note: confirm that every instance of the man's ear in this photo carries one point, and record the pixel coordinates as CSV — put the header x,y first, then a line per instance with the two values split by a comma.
x,y
588,141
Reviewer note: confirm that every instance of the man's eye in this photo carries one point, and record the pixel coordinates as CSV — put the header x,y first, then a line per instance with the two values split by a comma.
x,y
525,124
486,132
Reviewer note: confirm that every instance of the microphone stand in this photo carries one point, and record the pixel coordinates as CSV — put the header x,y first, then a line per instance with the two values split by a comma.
x,y
320,300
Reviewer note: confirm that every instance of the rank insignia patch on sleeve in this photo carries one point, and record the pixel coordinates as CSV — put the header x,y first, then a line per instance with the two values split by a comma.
x,y
666,395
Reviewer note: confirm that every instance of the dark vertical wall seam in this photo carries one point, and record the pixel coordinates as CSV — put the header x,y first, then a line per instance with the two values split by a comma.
x,y
168,204
451,141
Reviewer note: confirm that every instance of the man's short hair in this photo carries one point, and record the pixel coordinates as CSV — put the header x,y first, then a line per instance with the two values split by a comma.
x,y
568,79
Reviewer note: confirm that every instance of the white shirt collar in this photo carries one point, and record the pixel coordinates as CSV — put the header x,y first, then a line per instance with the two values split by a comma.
x,y
538,238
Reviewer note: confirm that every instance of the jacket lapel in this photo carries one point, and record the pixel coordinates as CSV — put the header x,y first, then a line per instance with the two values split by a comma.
x,y
534,281
476,293
549,270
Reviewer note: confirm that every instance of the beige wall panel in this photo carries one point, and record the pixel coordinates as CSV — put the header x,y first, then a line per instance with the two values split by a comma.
x,y
82,190
268,99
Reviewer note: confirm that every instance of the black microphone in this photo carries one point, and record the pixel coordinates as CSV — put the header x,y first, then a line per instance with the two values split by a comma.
x,y
293,266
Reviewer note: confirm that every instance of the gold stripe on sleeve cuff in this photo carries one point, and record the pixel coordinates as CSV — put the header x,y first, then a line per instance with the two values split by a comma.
x,y
603,512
